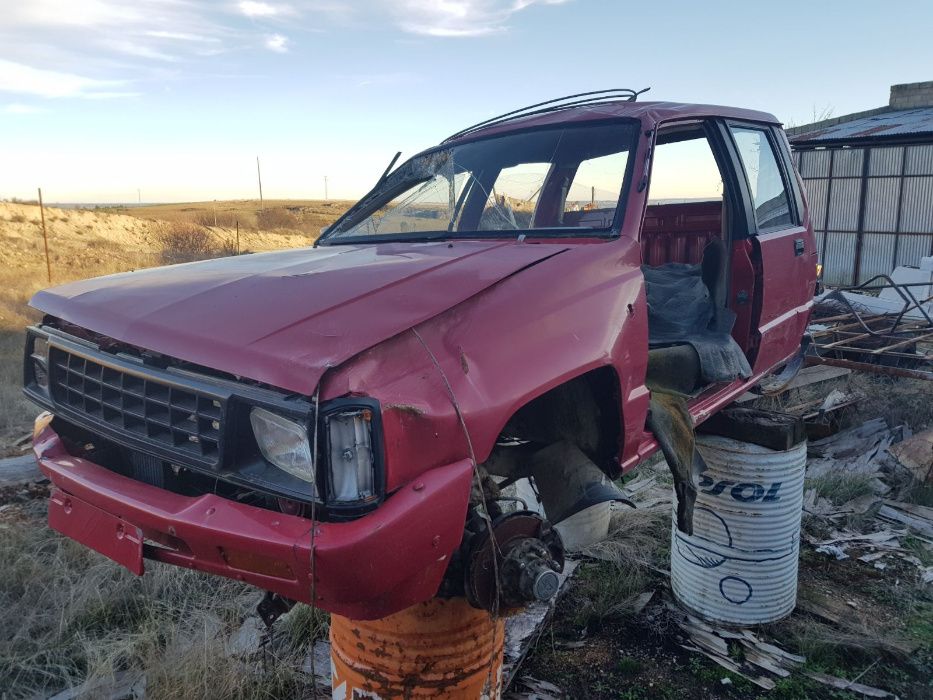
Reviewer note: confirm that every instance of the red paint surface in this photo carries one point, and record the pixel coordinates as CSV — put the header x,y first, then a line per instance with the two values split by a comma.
x,y
367,568
282,318
679,232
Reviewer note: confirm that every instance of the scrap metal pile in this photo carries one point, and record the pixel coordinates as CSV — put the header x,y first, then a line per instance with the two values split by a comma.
x,y
891,333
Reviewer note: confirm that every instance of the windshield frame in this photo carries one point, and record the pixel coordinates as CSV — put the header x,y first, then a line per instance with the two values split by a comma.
x,y
370,203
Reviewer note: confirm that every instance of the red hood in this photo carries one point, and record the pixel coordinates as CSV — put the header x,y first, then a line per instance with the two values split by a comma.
x,y
283,318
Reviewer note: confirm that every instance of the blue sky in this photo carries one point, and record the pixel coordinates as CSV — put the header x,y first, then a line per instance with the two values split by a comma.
x,y
177,98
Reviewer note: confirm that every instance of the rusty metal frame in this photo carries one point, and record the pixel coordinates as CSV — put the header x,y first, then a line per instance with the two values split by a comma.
x,y
853,338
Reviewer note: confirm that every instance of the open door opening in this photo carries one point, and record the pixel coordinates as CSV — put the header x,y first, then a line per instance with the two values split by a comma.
x,y
689,244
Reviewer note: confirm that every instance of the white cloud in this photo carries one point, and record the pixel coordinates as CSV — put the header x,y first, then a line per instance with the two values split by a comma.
x,y
50,48
182,36
132,48
19,108
252,8
460,18
277,43
26,80
83,13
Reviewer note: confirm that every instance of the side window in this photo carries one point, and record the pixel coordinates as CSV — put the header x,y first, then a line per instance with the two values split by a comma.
x,y
769,195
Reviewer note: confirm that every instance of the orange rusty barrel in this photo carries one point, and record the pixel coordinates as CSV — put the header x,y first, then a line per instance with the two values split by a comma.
x,y
437,649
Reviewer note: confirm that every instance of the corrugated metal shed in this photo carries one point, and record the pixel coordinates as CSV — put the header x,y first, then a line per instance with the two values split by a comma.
x,y
869,176
903,123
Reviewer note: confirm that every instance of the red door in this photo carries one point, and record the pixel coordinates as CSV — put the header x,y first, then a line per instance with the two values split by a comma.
x,y
783,247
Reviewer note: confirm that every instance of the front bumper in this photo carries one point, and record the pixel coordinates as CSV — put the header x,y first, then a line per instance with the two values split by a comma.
x,y
367,568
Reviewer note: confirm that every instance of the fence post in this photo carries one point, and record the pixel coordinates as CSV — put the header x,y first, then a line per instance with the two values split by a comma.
x,y
45,238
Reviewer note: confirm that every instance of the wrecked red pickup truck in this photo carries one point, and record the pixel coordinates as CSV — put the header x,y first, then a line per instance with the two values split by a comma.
x,y
332,424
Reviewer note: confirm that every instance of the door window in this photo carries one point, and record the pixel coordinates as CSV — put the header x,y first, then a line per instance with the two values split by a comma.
x,y
769,195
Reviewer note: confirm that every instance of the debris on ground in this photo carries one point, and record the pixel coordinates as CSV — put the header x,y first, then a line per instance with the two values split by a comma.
x,y
123,685
528,688
851,686
714,642
916,454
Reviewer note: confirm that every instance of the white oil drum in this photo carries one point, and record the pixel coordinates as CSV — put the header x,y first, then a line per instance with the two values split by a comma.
x,y
740,565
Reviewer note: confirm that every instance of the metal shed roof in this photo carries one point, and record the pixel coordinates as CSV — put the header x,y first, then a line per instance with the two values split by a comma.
x,y
900,124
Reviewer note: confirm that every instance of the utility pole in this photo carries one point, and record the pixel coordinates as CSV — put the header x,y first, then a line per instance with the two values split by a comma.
x,y
259,176
139,196
325,188
45,237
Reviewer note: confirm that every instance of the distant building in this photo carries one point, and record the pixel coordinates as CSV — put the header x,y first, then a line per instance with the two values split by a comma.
x,y
869,180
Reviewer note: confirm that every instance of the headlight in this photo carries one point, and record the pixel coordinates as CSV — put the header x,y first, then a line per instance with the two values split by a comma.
x,y
284,443
350,456
40,362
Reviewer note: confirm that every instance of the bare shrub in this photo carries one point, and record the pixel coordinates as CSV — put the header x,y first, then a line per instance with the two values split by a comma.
x,y
222,219
184,241
269,219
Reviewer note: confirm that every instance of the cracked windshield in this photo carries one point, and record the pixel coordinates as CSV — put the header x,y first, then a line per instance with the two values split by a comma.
x,y
552,179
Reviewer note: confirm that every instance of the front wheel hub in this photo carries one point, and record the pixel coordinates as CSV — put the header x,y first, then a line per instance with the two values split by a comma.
x,y
517,563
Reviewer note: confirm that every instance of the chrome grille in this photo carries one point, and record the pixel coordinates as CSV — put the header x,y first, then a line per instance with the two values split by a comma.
x,y
171,417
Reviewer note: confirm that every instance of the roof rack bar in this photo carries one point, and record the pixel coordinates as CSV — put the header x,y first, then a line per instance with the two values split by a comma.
x,y
556,104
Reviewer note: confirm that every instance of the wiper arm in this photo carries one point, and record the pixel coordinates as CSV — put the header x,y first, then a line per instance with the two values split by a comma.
x,y
388,169
420,237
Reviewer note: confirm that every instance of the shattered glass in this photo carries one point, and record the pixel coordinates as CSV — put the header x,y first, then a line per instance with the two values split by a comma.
x,y
561,178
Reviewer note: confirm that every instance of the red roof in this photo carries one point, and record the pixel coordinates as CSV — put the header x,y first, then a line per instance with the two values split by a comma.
x,y
649,113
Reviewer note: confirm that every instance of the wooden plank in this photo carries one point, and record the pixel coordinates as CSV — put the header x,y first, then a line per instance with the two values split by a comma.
x,y
867,367
19,470
906,341
917,518
851,686
776,431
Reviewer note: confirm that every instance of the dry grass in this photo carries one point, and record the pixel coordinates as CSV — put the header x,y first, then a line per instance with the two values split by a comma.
x,y
840,487
69,616
900,400
637,545
306,216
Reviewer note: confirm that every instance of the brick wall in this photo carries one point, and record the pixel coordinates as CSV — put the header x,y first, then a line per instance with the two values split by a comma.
x,y
911,95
